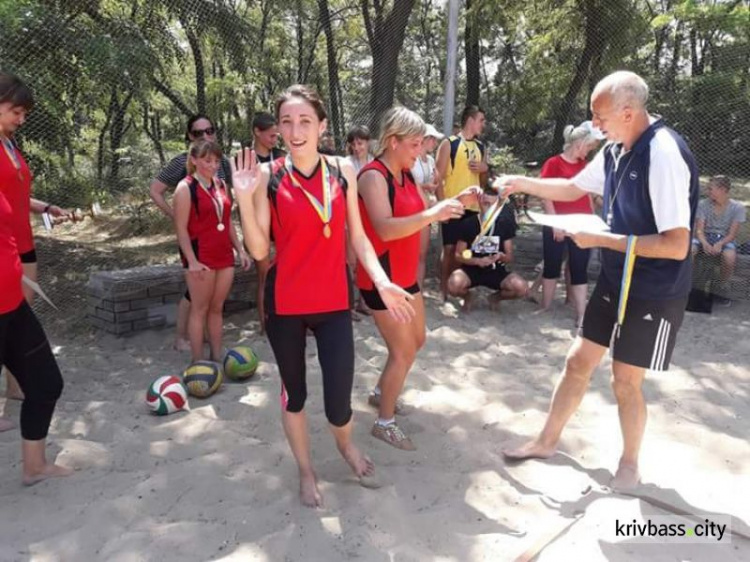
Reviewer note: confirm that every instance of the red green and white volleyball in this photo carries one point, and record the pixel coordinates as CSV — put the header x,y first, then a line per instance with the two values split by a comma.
x,y
240,363
202,378
167,395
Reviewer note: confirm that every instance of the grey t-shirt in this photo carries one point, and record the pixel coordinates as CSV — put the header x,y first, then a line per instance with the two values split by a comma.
x,y
720,224
174,172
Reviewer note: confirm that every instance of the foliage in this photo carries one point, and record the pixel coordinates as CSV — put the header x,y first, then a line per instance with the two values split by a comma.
x,y
115,79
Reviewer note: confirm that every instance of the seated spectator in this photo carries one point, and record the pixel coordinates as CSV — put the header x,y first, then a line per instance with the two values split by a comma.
x,y
483,248
717,222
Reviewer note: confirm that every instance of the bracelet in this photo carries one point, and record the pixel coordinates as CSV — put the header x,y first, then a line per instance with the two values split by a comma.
x,y
47,208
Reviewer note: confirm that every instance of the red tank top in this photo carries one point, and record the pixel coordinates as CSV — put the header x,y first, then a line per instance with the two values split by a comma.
x,y
11,294
15,184
308,274
558,167
212,247
399,258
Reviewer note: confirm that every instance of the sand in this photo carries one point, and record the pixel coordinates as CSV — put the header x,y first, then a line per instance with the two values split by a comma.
x,y
219,483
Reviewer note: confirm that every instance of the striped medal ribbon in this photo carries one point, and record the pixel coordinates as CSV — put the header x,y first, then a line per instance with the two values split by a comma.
x,y
324,209
217,201
487,225
10,150
627,279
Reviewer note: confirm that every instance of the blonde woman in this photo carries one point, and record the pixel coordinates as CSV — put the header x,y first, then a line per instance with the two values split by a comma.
x,y
394,215
579,141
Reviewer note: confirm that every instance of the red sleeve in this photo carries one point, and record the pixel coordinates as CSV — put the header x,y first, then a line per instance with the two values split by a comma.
x,y
551,169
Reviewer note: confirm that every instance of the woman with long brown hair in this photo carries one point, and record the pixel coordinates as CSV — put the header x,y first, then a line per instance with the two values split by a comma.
x,y
308,201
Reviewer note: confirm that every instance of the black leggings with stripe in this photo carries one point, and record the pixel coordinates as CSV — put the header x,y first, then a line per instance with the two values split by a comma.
x,y
25,351
335,340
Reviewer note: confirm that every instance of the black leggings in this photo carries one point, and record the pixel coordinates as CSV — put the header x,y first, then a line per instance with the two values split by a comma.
x,y
578,259
335,339
25,351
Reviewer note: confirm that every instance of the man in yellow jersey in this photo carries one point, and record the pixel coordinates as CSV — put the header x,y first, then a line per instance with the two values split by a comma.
x,y
460,163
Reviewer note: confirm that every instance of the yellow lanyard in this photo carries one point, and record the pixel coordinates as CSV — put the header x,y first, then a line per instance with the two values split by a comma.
x,y
324,209
627,279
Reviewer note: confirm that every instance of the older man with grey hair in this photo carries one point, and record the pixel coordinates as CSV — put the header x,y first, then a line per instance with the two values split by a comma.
x,y
649,182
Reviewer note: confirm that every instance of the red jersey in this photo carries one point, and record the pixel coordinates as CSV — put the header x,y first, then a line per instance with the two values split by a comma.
x,y
558,167
399,258
309,273
212,246
15,184
11,294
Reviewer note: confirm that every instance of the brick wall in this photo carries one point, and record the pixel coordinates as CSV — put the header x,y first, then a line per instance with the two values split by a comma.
x,y
141,298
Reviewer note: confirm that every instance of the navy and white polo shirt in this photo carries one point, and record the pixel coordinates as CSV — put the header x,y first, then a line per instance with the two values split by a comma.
x,y
649,189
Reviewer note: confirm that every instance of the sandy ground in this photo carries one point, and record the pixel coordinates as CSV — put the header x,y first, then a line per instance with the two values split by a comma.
x,y
219,483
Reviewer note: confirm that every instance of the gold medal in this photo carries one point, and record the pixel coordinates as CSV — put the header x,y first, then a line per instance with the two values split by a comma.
x,y
324,209
466,254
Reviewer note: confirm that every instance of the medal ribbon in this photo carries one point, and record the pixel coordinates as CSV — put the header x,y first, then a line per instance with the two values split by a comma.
x,y
10,150
218,201
627,278
324,209
489,222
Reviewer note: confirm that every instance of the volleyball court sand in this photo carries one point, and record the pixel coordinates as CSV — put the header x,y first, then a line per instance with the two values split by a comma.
x,y
219,483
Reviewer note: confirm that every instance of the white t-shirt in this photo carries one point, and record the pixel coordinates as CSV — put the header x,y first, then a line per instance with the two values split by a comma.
x,y
422,171
356,163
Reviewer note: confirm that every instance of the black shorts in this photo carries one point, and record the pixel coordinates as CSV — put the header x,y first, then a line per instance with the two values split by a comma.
x,y
488,277
374,302
451,229
28,257
647,336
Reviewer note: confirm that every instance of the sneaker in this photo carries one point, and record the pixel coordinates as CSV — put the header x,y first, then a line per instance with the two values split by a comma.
x,y
401,408
393,435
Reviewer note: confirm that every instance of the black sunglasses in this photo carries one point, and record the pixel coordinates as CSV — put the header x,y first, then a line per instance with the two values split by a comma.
x,y
201,132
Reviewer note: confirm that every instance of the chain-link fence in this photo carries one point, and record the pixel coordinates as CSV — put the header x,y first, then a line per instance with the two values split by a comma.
x,y
116,81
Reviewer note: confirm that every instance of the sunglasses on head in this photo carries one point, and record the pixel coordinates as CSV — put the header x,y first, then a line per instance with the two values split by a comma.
x,y
201,132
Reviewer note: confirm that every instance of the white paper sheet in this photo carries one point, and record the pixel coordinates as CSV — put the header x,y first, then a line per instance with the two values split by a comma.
x,y
576,222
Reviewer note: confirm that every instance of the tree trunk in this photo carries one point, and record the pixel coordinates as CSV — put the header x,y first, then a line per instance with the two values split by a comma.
x,y
333,71
385,34
152,128
100,141
471,41
676,55
116,134
200,70
594,42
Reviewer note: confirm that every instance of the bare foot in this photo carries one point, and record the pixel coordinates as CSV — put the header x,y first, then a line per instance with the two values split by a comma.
x,y
6,424
181,344
466,306
627,477
531,450
48,471
309,494
362,466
